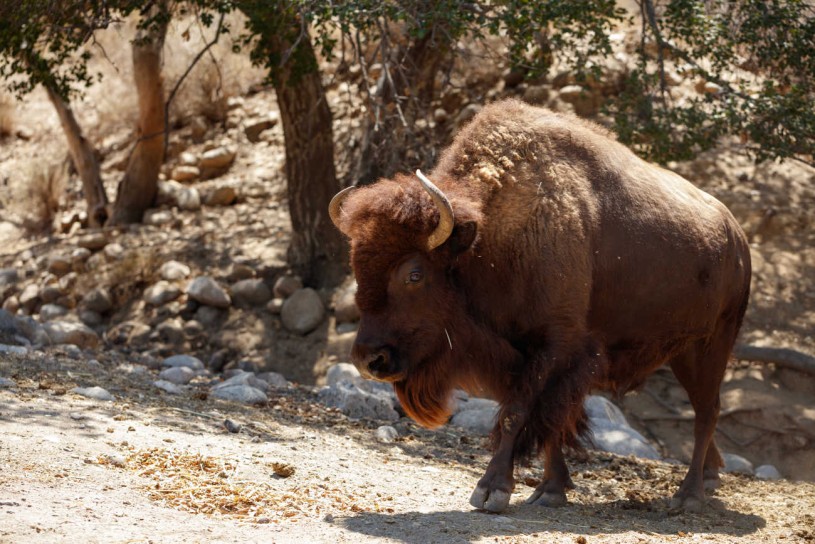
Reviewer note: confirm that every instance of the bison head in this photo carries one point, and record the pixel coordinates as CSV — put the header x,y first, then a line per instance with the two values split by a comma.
x,y
406,241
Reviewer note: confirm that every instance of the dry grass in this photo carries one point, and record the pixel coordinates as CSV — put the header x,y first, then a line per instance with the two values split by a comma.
x,y
35,198
208,485
6,115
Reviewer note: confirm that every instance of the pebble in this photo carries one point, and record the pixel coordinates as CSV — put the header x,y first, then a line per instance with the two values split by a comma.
x,y
231,426
250,292
114,251
768,472
67,332
218,158
94,392
185,173
303,311
115,459
168,387
8,276
154,217
386,434
274,379
183,360
59,265
89,318
225,195
206,290
189,199
98,300
179,375
208,316
50,293
240,393
275,306
161,292
285,286
49,312
174,270
93,241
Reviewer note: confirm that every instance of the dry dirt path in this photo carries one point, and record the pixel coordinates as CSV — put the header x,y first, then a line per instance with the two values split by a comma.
x,y
144,468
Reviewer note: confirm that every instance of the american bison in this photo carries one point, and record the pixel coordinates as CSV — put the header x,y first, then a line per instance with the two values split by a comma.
x,y
543,261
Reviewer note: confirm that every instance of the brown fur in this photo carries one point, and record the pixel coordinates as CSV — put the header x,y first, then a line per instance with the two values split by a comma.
x,y
590,268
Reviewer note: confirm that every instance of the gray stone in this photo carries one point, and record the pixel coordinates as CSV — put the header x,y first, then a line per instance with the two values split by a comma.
x,y
342,372
251,292
98,300
240,393
94,392
768,472
93,241
29,297
477,420
14,350
274,379
8,277
600,408
67,332
208,316
183,360
11,331
737,464
386,434
244,378
344,328
50,293
357,403
32,332
206,290
6,383
303,311
217,159
345,307
157,217
179,375
171,331
621,440
174,270
285,286
49,312
168,387
90,318
59,264
161,293
185,172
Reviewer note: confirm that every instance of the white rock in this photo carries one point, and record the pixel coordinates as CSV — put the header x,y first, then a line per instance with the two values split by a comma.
x,y
179,375
768,472
342,371
66,332
183,360
621,440
240,393
189,199
155,217
206,290
386,434
479,421
218,158
161,293
94,392
737,464
303,311
168,387
174,270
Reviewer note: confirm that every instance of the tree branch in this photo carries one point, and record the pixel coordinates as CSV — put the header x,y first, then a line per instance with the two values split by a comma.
x,y
783,357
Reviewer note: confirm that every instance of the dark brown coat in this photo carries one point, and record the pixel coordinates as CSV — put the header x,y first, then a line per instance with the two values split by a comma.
x,y
573,265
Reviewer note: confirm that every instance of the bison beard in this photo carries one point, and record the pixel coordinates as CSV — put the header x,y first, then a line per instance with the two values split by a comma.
x,y
550,261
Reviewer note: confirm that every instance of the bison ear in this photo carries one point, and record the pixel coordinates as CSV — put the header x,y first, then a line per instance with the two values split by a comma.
x,y
462,237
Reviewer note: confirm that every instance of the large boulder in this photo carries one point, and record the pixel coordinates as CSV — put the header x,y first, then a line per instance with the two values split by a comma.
x,y
303,311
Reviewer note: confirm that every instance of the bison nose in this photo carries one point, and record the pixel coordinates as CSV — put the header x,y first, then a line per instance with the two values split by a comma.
x,y
371,363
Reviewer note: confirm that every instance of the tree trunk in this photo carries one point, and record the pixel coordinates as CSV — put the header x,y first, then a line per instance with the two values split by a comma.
x,y
318,251
139,186
84,159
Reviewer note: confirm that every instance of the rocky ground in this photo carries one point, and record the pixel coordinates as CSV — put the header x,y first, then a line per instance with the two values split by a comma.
x,y
165,381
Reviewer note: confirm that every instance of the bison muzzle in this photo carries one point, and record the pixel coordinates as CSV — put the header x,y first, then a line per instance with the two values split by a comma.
x,y
544,261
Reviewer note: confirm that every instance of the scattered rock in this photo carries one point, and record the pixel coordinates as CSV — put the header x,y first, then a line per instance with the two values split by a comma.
x,y
254,127
244,378
284,470
95,392
478,419
29,297
114,251
274,379
340,372
157,217
219,158
59,264
240,271
536,94
386,434
6,383
49,312
50,293
768,472
240,393
185,173
168,387
708,87
189,199
285,286
611,431
440,116
14,350
231,426
130,332
90,318
737,464
585,102
114,459
208,316
161,293
98,300
8,277
356,403
250,292
171,331
179,375
12,304
183,360
174,270
275,305
207,291
93,241
303,311
67,332
225,195
344,328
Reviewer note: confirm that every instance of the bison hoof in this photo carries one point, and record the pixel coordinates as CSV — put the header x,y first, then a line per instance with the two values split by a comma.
x,y
491,500
547,498
712,483
687,504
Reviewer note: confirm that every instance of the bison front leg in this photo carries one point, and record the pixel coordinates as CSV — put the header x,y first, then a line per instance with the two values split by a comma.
x,y
494,489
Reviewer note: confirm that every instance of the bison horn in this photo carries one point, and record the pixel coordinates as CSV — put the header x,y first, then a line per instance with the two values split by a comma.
x,y
445,227
335,206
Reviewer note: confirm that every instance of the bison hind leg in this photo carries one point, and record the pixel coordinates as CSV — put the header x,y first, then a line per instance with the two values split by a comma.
x,y
700,369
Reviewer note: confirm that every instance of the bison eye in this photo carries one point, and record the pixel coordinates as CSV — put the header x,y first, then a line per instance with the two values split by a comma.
x,y
414,277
